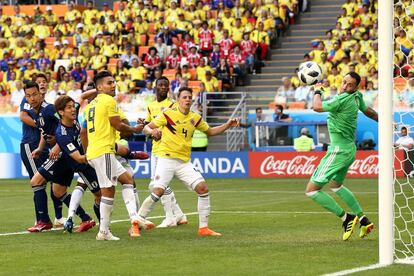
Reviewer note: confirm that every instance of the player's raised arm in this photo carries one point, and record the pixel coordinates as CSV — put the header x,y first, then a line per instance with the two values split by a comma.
x,y
117,123
234,122
317,101
371,113
26,119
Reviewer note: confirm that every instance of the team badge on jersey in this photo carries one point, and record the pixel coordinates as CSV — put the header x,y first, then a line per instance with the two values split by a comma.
x,y
192,122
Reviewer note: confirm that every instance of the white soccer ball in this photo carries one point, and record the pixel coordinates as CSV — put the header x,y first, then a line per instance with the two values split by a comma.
x,y
310,73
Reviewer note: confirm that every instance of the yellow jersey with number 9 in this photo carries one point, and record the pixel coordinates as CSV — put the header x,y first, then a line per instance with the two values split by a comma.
x,y
177,132
101,135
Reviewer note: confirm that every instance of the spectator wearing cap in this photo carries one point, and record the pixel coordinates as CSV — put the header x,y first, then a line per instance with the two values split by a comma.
x,y
123,85
89,13
55,53
304,142
86,48
193,58
166,36
80,34
51,18
105,13
152,62
98,61
128,56
42,30
72,13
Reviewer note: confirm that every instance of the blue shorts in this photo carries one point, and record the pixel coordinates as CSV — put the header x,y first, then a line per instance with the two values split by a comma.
x,y
57,171
29,162
90,179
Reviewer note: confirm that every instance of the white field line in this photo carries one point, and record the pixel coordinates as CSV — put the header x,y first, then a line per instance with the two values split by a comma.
x,y
355,270
214,212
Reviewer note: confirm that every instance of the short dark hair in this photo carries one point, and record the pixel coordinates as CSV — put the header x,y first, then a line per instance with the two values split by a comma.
x,y
403,128
40,75
62,101
278,106
30,84
356,77
258,108
101,75
184,89
161,79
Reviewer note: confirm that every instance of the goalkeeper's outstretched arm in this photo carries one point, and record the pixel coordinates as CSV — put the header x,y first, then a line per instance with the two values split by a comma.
x,y
371,113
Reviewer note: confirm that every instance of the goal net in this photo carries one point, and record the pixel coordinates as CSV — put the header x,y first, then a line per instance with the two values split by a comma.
x,y
403,103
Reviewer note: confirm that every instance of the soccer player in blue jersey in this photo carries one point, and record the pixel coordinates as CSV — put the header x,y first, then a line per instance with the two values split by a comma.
x,y
30,141
69,140
53,169
342,122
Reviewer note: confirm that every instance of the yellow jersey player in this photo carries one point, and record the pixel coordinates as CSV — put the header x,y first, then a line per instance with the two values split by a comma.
x,y
173,213
178,125
103,120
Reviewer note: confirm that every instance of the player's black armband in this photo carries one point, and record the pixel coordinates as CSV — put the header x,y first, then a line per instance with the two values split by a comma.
x,y
116,147
317,92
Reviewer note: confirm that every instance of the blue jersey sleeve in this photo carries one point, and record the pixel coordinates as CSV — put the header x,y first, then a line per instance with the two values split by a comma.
x,y
65,143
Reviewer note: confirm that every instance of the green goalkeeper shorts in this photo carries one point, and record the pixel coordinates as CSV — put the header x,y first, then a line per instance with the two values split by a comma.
x,y
334,165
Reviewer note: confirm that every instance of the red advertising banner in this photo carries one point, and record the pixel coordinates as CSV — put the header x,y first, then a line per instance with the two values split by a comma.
x,y
302,164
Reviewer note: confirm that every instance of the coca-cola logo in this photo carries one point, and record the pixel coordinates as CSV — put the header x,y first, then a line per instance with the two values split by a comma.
x,y
298,165
367,166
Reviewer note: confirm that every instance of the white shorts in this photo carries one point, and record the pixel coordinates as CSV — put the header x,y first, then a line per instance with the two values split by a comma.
x,y
154,160
124,162
167,168
108,169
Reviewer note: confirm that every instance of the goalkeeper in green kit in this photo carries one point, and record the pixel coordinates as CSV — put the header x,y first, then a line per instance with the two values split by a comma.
x,y
342,123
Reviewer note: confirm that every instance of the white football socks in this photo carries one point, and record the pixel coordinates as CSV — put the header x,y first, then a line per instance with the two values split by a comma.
x,y
203,207
75,200
148,205
137,198
130,200
106,207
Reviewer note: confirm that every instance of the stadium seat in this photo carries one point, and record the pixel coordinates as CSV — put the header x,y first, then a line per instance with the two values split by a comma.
x,y
195,86
70,40
54,75
113,61
143,39
296,105
142,50
1,76
151,40
193,73
90,73
272,105
170,74
151,28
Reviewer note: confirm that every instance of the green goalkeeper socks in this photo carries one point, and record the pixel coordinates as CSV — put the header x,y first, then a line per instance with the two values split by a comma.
x,y
327,202
348,197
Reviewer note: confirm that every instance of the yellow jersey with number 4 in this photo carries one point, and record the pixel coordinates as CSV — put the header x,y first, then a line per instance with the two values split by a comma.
x,y
177,132
153,110
101,135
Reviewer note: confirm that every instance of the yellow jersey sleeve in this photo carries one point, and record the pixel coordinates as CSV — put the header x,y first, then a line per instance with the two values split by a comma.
x,y
112,107
202,125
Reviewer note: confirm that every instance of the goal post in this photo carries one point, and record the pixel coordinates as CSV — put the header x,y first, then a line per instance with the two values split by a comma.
x,y
385,132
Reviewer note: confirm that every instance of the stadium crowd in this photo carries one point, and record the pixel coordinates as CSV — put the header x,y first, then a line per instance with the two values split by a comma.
x,y
206,45
352,46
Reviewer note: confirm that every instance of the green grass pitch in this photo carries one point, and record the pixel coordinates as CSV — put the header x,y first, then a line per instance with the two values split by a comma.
x,y
269,228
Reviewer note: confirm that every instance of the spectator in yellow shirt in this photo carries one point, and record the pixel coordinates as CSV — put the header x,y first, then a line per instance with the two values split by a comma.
x,y
42,30
30,71
261,38
97,62
334,78
51,18
210,83
105,13
109,49
67,82
72,13
317,53
89,13
202,69
138,73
